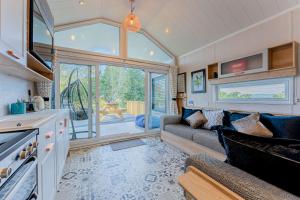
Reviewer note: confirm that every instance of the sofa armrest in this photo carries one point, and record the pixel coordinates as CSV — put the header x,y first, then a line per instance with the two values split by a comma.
x,y
169,119
238,181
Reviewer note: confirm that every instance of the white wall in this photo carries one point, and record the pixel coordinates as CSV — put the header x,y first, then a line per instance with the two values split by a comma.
x,y
279,30
12,89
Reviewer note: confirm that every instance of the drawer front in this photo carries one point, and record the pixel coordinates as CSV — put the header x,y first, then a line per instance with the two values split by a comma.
x,y
46,136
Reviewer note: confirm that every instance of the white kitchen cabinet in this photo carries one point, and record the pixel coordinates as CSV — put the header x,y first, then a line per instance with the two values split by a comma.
x,y
13,30
52,151
48,174
62,145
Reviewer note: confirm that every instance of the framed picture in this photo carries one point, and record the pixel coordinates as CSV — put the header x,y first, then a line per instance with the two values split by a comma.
x,y
199,81
181,83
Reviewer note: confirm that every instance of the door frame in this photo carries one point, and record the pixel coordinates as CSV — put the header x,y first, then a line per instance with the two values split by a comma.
x,y
70,56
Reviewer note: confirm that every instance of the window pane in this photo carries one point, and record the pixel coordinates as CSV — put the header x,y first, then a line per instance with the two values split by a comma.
x,y
141,47
273,90
100,38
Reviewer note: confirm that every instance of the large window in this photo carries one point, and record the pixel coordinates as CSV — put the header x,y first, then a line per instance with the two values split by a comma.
x,y
100,38
272,91
141,47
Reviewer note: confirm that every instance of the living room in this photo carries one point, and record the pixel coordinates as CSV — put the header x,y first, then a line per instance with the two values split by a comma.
x,y
149,100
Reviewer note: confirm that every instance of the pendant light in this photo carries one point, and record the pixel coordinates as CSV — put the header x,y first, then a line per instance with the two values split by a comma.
x,y
132,22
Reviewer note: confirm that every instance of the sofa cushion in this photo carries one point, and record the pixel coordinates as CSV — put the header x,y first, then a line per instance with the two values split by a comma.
x,y
274,160
282,126
252,126
209,139
247,186
181,130
232,116
214,118
186,112
196,120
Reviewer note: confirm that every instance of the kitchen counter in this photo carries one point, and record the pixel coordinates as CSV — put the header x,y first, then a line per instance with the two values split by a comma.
x,y
28,120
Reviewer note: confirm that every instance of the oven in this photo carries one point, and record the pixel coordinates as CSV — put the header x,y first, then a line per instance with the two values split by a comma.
x,y
18,165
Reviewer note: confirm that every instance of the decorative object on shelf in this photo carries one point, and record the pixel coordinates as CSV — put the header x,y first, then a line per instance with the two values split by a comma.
x,y
18,108
199,81
38,103
215,75
181,83
132,22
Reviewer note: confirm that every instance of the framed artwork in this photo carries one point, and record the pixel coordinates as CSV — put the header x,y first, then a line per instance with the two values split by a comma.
x,y
199,81
181,83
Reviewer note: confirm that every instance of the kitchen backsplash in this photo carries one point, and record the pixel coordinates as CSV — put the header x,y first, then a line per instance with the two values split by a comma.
x,y
12,89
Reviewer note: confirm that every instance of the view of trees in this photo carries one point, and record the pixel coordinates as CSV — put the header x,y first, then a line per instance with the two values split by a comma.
x,y
117,84
239,95
120,84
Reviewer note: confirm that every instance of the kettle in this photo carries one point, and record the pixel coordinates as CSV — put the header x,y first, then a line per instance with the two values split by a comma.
x,y
38,103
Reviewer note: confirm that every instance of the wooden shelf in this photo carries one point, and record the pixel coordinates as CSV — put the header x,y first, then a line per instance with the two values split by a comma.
x,y
211,70
275,73
282,62
283,56
38,67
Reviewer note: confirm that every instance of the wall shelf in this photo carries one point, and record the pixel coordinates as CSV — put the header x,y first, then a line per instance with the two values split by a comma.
x,y
276,73
282,62
211,70
38,67
283,56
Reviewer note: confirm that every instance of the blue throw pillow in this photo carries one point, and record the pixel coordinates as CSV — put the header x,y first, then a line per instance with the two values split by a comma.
x,y
186,112
282,126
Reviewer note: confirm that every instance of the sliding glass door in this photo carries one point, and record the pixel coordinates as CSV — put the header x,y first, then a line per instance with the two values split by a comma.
x,y
111,101
77,93
121,101
158,99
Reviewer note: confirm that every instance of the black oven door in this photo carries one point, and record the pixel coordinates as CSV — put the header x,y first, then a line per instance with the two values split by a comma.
x,y
22,184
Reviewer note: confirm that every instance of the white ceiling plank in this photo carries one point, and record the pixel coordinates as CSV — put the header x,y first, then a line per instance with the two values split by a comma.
x,y
192,23
253,10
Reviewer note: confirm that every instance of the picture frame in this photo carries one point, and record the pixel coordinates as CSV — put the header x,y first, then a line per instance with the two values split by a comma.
x,y
181,83
198,81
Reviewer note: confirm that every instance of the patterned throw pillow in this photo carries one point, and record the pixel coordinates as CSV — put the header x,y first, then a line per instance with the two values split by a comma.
x,y
252,126
196,119
214,118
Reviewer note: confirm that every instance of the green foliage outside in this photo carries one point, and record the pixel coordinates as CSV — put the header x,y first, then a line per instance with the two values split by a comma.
x,y
117,84
239,95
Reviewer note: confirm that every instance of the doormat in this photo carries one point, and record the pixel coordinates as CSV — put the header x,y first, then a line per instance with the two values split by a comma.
x,y
126,144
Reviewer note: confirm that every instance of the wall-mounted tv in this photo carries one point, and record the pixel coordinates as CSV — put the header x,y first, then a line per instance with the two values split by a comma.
x,y
41,33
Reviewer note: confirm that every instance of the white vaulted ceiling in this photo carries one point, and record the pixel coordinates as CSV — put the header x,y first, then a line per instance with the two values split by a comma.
x,y
191,23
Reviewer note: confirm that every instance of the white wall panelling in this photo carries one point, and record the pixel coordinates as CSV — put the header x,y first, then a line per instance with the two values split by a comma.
x,y
279,30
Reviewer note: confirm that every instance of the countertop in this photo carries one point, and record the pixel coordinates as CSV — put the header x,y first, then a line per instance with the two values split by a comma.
x,y
28,120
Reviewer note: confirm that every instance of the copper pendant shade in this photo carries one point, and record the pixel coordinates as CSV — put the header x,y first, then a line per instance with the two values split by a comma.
x,y
132,22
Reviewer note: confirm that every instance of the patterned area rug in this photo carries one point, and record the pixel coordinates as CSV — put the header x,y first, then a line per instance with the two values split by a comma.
x,y
140,173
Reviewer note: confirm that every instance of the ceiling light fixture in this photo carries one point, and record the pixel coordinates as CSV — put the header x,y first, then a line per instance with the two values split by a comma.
x,y
73,37
167,30
81,2
132,22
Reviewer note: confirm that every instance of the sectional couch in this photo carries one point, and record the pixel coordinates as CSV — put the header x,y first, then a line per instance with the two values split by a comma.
x,y
191,141
208,154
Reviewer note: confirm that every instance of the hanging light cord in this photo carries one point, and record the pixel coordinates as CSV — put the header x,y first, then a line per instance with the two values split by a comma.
x,y
131,6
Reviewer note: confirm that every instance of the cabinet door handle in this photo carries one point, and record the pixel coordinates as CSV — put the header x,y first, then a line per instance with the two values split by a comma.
x,y
12,54
49,147
49,135
61,131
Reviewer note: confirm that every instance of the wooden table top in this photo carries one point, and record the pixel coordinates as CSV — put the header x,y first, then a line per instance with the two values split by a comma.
x,y
202,187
